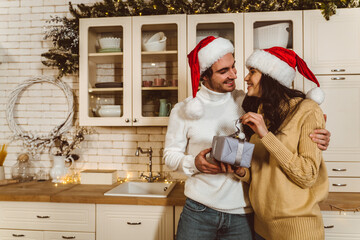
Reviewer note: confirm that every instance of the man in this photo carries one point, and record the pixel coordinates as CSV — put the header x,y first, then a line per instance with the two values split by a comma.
x,y
217,205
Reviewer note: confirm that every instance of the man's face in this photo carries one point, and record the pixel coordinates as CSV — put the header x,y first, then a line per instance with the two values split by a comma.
x,y
224,75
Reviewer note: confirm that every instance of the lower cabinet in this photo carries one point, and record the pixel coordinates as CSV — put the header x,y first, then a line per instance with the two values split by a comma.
x,y
47,221
68,235
340,225
134,222
20,234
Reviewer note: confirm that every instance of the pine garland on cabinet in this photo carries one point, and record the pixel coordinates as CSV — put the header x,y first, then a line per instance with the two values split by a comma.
x,y
64,32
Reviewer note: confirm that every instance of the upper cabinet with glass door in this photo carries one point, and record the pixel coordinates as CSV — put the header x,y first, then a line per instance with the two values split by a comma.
x,y
229,26
105,71
159,65
268,29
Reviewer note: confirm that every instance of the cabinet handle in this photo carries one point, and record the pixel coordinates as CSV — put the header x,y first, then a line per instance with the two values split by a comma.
x,y
338,78
133,223
42,216
339,184
65,237
127,120
338,70
18,235
135,120
339,169
330,226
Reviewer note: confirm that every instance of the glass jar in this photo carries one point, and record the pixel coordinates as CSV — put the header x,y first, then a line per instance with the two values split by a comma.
x,y
23,169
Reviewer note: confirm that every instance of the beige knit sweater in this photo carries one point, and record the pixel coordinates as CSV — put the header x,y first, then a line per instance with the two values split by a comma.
x,y
289,178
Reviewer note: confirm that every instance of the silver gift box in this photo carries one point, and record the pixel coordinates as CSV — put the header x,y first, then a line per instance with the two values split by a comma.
x,y
232,150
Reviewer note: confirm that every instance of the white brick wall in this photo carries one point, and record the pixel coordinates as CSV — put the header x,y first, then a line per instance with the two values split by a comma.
x,y
43,105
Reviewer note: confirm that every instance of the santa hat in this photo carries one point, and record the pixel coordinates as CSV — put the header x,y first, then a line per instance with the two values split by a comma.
x,y
279,63
203,56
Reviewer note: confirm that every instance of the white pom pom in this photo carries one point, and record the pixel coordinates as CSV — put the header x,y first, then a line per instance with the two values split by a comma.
x,y
242,136
316,94
194,109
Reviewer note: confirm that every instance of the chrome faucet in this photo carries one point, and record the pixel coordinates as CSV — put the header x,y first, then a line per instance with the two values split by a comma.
x,y
148,151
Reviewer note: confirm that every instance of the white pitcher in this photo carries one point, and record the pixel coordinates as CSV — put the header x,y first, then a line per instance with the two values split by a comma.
x,y
59,170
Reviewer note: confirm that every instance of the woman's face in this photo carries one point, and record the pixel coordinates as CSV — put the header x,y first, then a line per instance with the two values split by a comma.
x,y
253,82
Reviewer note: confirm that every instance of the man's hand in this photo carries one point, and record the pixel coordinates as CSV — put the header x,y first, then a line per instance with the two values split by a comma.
x,y
321,137
203,165
227,168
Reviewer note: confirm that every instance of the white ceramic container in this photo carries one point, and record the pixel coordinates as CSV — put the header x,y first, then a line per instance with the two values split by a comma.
x,y
109,111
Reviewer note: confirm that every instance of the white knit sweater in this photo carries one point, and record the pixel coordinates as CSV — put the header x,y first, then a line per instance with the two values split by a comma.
x,y
185,138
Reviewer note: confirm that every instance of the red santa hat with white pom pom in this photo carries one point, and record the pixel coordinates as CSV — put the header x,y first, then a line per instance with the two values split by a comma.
x,y
203,56
279,63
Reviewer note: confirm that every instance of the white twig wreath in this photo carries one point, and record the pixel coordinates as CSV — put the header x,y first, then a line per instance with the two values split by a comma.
x,y
33,142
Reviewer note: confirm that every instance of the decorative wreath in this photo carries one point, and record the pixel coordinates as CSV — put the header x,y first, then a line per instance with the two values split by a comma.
x,y
33,142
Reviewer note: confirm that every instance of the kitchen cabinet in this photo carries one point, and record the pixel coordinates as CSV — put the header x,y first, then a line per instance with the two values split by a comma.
x,y
341,225
342,107
21,234
68,235
134,222
268,29
229,26
332,47
137,83
67,219
331,50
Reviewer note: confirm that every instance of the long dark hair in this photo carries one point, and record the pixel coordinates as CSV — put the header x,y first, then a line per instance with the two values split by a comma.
x,y
273,95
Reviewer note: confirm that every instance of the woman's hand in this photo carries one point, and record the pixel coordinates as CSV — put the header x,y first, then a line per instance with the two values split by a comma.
x,y
255,122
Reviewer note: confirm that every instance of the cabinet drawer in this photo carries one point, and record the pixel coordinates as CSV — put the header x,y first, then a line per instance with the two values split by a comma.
x,y
344,184
134,222
346,223
48,216
68,235
343,169
6,234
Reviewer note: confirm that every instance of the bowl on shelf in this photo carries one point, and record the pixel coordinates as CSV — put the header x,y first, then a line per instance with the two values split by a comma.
x,y
109,111
200,35
155,43
271,35
109,44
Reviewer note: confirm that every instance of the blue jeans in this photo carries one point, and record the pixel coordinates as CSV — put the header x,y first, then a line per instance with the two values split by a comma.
x,y
202,223
258,237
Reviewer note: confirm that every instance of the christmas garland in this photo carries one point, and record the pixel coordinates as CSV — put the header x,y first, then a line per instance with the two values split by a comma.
x,y
64,32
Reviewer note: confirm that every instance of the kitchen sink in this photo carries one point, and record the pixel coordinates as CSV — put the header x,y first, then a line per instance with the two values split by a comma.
x,y
142,189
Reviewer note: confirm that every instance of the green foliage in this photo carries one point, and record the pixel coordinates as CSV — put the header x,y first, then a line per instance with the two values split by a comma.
x,y
63,32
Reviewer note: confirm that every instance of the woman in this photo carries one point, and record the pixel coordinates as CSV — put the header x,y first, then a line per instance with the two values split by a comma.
x,y
288,174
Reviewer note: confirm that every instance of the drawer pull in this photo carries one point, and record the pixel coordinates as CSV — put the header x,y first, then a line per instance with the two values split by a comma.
x,y
339,169
339,184
338,78
338,70
330,226
42,216
65,237
18,235
133,223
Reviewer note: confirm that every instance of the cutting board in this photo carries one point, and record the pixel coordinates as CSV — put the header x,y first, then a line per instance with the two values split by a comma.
x,y
8,181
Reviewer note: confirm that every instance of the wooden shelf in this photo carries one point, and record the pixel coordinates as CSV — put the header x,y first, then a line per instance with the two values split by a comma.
x,y
105,54
159,88
159,52
105,90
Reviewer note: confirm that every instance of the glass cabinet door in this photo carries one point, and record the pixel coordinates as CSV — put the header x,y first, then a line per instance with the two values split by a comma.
x,y
229,26
269,29
159,60
105,71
